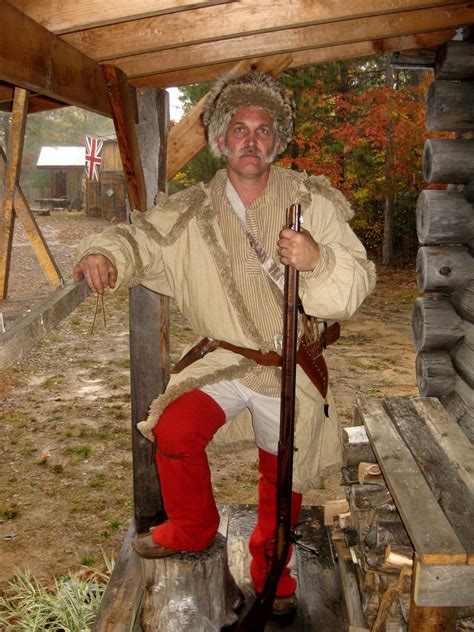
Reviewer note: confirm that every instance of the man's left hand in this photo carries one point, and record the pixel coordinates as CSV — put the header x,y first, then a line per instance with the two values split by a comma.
x,y
298,249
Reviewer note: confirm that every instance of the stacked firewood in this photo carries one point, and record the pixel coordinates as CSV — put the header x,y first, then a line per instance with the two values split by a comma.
x,y
375,555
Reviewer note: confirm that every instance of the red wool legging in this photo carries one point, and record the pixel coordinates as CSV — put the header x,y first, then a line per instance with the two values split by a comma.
x,y
181,435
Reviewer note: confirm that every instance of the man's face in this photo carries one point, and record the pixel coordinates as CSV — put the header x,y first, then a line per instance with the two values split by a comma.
x,y
250,142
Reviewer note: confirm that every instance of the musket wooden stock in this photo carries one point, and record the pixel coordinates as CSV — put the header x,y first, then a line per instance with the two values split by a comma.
x,y
258,615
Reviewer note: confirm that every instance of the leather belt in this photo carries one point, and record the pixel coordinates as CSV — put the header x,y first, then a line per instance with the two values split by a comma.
x,y
309,355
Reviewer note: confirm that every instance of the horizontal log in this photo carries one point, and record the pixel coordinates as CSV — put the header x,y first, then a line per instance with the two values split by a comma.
x,y
27,331
449,161
455,61
435,374
450,106
463,361
463,301
461,411
443,269
468,192
435,324
444,217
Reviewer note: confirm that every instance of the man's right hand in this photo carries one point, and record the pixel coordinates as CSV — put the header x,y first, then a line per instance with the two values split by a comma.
x,y
98,271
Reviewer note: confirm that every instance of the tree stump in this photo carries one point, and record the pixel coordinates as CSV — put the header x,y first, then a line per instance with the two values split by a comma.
x,y
190,591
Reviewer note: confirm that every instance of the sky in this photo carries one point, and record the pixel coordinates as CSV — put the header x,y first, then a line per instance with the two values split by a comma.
x,y
176,111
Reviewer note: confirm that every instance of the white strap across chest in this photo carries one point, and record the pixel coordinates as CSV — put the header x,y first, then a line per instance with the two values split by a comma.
x,y
268,264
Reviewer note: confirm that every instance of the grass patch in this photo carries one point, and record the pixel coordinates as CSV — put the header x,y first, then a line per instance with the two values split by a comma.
x,y
88,560
367,390
97,482
79,452
15,419
71,603
51,382
8,513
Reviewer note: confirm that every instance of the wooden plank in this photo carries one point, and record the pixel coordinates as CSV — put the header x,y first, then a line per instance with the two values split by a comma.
x,y
453,495
33,232
187,138
31,328
292,40
349,586
221,22
73,16
34,58
319,606
120,605
433,537
443,586
16,139
318,589
449,436
185,76
123,108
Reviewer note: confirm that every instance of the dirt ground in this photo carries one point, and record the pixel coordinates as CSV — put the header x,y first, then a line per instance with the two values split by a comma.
x,y
65,453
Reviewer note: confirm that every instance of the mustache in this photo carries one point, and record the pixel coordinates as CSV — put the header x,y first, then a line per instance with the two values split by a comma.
x,y
251,150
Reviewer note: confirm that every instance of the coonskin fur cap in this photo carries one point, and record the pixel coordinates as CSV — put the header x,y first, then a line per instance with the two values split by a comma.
x,y
255,89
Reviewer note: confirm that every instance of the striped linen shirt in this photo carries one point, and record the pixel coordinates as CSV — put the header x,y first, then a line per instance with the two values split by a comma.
x,y
264,218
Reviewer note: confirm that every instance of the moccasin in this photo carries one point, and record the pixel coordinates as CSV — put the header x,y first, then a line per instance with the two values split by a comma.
x,y
146,547
284,606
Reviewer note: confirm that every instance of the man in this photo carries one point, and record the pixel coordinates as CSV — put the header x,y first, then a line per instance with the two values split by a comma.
x,y
209,247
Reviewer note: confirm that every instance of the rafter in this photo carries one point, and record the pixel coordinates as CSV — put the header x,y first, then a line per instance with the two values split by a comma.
x,y
66,16
33,58
209,72
298,39
243,18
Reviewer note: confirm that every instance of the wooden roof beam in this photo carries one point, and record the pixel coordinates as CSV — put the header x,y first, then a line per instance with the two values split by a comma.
x,y
310,38
37,102
303,58
33,58
240,19
75,16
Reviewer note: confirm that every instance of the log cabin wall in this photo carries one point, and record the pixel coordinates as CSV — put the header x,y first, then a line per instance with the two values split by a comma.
x,y
443,318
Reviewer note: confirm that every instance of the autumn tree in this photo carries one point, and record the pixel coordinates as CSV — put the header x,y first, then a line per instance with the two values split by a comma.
x,y
367,138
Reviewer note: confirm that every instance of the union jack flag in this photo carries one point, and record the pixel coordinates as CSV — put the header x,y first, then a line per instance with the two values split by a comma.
x,y
93,157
